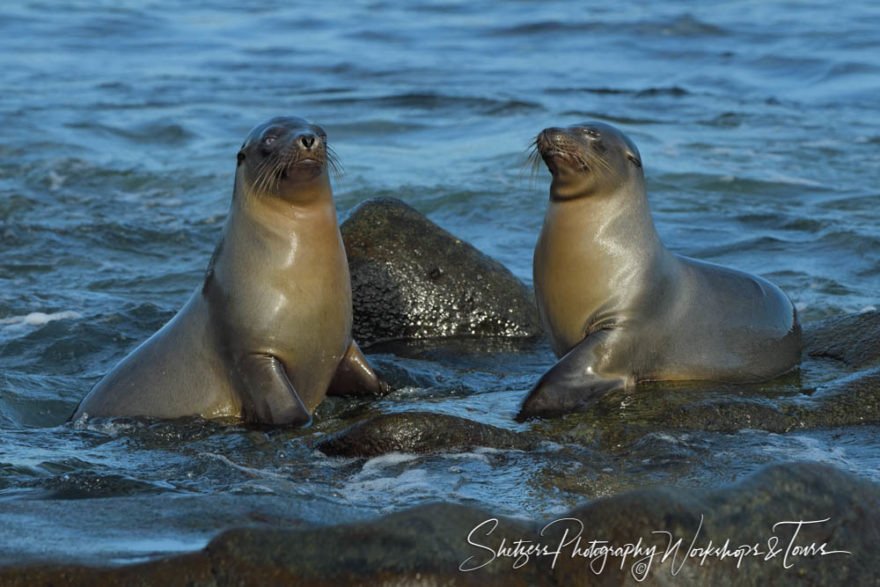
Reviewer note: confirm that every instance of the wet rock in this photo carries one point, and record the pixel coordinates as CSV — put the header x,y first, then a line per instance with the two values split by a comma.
x,y
432,544
193,570
411,279
822,394
621,419
744,514
89,484
847,401
852,338
419,432
422,546
730,416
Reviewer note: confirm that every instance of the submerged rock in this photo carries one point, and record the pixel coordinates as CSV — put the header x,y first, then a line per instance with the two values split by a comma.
x,y
419,432
411,279
852,338
851,400
435,544
847,401
844,391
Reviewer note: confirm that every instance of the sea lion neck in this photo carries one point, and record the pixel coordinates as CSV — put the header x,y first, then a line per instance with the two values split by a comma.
x,y
612,221
310,192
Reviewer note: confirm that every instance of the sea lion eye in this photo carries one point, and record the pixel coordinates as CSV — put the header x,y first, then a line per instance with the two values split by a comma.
x,y
634,160
240,157
266,144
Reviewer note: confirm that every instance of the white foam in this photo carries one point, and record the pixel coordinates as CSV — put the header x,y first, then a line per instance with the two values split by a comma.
x,y
476,455
412,482
39,318
387,460
792,180
251,471
814,449
56,180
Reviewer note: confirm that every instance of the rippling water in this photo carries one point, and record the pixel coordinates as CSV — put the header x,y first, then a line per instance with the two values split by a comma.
x,y
757,122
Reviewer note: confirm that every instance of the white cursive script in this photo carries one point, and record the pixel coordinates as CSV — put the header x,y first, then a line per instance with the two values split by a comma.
x,y
568,541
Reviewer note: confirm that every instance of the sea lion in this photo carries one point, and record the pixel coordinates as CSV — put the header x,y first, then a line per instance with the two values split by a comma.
x,y
619,307
268,333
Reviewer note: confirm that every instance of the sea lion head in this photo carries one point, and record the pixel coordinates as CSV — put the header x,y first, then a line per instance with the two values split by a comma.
x,y
587,158
280,156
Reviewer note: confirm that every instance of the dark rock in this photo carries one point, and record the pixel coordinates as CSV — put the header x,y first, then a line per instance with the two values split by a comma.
x,y
847,401
431,544
852,338
419,432
194,570
622,418
89,484
744,514
421,546
842,391
411,279
731,416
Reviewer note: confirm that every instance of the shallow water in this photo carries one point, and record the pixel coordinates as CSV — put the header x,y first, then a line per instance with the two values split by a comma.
x,y
757,123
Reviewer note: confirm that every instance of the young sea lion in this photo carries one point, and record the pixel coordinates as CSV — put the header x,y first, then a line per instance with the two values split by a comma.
x,y
268,334
619,306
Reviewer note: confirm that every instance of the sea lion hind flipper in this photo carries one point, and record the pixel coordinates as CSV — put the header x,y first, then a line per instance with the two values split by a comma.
x,y
354,376
572,384
271,397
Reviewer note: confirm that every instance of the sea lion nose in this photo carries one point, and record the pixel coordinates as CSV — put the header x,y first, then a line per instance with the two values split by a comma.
x,y
549,135
307,140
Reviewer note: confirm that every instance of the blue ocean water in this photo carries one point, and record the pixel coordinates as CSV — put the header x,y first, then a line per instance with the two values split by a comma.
x,y
758,126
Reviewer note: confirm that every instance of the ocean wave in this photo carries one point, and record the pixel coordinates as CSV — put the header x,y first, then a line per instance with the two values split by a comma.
x,y
438,101
39,318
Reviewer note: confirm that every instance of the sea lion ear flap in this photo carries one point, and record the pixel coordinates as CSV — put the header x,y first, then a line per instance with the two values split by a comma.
x,y
240,157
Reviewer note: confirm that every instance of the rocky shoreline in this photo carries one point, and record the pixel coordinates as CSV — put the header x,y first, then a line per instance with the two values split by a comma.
x,y
405,289
803,523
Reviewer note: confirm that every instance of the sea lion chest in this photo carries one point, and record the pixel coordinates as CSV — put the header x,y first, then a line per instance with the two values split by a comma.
x,y
282,287
569,288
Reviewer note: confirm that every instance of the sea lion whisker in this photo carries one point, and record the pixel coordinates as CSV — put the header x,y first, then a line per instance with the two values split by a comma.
x,y
333,161
266,172
261,173
531,161
535,161
282,161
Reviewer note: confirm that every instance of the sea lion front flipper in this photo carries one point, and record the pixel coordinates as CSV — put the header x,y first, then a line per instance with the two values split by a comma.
x,y
572,384
354,376
271,398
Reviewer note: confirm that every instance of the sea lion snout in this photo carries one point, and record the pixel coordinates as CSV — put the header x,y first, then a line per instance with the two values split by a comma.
x,y
307,140
303,142
559,150
551,139
549,134
306,147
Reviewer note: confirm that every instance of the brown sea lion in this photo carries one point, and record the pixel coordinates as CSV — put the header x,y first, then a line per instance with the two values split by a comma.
x,y
268,334
619,307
